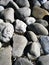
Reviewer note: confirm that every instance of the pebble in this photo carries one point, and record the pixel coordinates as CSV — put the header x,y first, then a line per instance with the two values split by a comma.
x,y
43,22
6,31
46,5
44,40
31,36
30,20
39,13
8,14
19,43
35,49
23,61
20,26
38,29
43,60
42,1
1,8
5,56
23,3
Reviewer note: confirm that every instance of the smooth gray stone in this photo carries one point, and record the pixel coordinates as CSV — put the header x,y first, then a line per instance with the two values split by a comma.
x,y
46,5
23,12
38,29
44,40
42,1
1,8
19,44
31,36
43,22
23,3
43,60
20,26
23,61
5,56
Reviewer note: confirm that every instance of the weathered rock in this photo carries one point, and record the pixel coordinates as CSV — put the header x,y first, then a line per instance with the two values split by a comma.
x,y
38,29
6,31
5,56
23,61
38,12
31,36
8,14
1,8
42,1
43,60
44,40
46,5
1,21
35,49
20,26
30,20
0,44
23,3
43,22
19,43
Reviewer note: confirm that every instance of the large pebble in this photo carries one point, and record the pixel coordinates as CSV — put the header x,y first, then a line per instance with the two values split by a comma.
x,y
5,56
38,12
35,49
19,43
20,26
8,14
30,20
31,36
44,40
23,3
46,5
6,31
43,22
23,12
38,29
43,60
23,61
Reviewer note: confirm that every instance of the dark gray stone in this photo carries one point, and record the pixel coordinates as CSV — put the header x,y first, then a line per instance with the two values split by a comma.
x,y
43,60
42,1
44,40
38,29
23,61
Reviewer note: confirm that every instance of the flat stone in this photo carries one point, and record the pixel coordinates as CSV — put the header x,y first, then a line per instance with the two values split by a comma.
x,y
35,49
5,56
43,22
30,20
20,26
8,14
23,3
31,36
19,44
43,60
38,12
23,61
44,40
38,29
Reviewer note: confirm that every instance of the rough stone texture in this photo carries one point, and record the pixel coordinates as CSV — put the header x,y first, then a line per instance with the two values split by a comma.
x,y
38,29
20,26
5,56
44,40
23,61
38,12
19,43
44,60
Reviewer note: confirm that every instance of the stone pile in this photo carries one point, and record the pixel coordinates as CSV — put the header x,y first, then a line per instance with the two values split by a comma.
x,y
24,32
